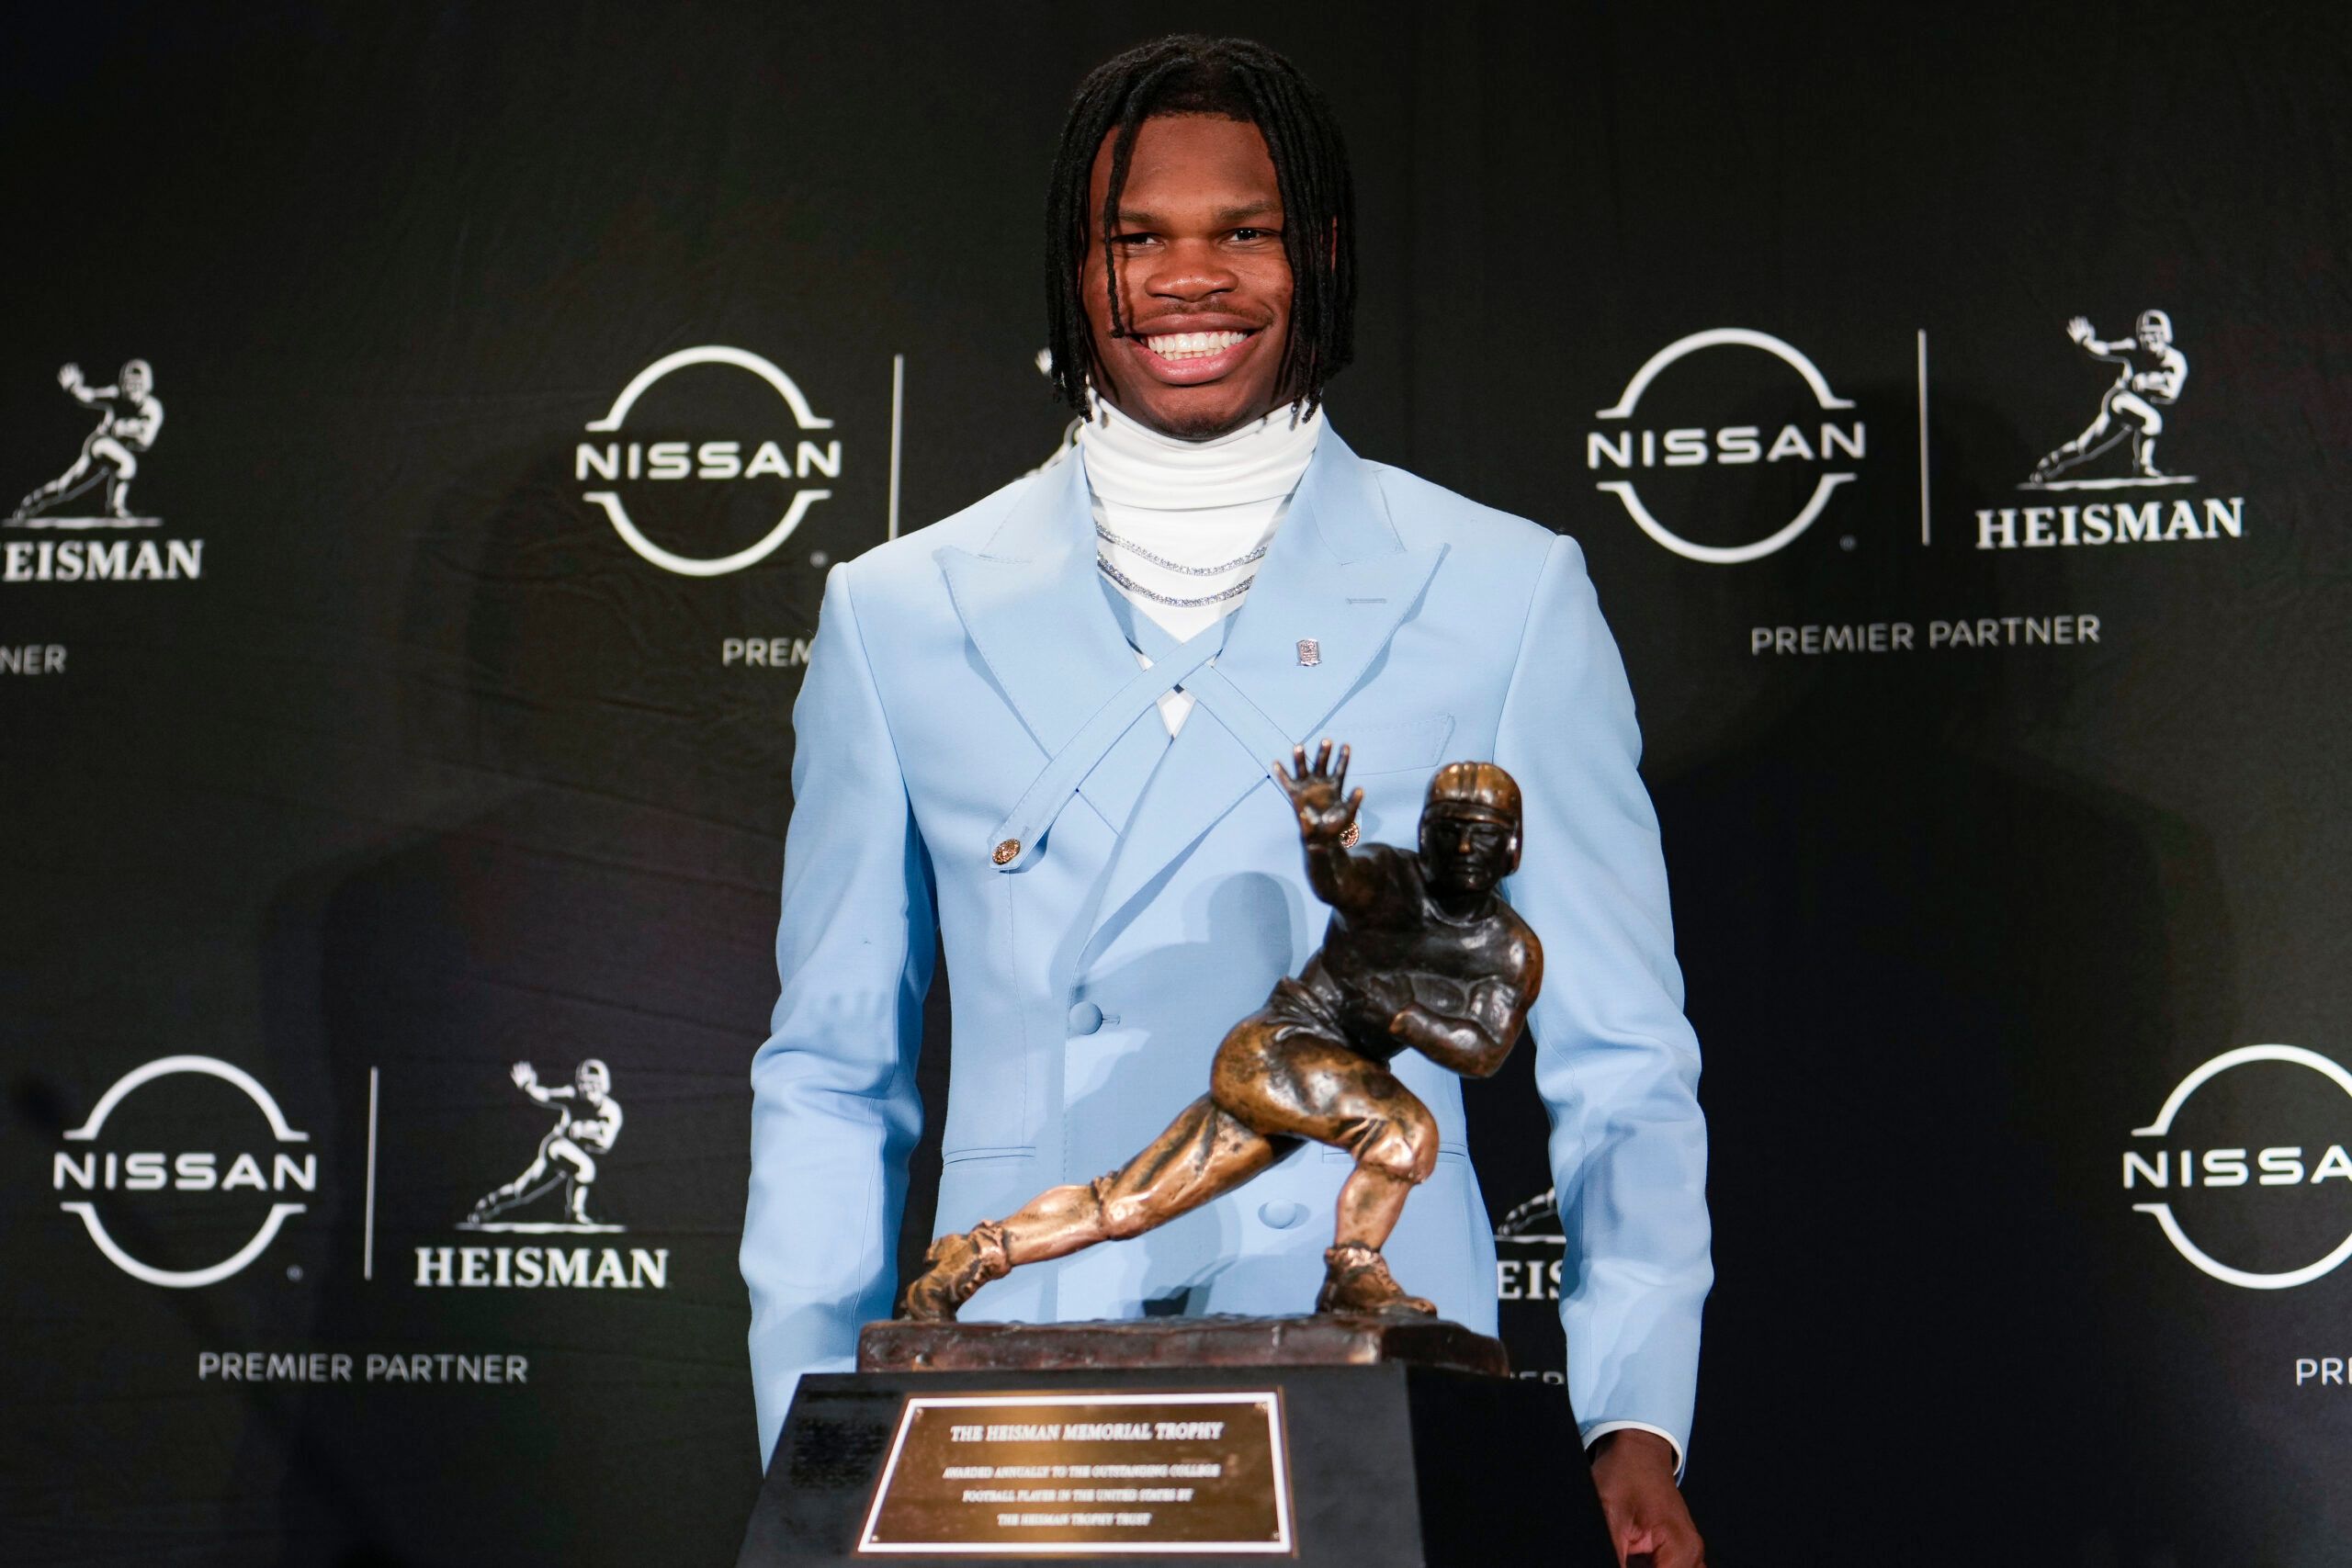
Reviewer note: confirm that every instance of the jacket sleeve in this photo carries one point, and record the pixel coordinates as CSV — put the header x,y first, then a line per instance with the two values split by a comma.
x,y
834,1107
1615,1061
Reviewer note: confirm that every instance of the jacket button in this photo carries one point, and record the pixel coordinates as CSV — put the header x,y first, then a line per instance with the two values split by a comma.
x,y
1085,1019
1281,1214
1006,850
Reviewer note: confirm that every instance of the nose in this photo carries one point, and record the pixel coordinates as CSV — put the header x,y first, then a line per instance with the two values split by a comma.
x,y
1190,270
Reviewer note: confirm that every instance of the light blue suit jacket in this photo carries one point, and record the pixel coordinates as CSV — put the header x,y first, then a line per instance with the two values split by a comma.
x,y
971,683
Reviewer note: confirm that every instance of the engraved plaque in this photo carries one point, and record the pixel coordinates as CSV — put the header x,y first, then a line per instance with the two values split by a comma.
x,y
1039,1475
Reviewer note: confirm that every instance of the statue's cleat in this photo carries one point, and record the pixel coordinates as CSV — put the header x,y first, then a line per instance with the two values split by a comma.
x,y
1356,1279
955,1268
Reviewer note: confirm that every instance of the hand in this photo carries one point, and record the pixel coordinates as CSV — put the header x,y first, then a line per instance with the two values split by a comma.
x,y
1633,1472
1323,816
2079,329
69,376
524,1075
1412,1023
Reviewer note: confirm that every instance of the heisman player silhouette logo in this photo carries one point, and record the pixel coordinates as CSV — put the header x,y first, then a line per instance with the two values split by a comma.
x,y
587,1120
109,456
2149,372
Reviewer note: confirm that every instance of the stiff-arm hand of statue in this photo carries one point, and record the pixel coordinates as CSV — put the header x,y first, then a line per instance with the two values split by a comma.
x,y
1325,812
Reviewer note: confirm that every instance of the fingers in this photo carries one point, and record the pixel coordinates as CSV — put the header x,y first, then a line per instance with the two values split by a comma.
x,y
1298,774
1677,1548
1649,1538
1297,767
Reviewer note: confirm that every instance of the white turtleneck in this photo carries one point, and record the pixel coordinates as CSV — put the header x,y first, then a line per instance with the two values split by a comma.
x,y
1197,503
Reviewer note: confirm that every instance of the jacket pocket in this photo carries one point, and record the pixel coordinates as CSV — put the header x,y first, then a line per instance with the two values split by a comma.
x,y
1412,745
965,1157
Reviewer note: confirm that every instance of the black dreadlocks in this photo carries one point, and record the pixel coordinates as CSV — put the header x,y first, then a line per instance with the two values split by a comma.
x,y
1233,79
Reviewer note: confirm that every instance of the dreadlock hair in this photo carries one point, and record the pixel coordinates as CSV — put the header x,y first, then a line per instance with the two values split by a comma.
x,y
1231,78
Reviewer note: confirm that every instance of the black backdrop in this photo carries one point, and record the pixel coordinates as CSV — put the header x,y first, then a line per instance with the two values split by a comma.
x,y
402,765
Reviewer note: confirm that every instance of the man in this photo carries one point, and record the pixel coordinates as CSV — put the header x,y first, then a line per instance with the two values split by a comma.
x,y
564,1153
109,453
1408,934
1037,732
2150,374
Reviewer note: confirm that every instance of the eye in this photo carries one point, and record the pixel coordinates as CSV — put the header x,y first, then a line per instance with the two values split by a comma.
x,y
1130,242
1249,236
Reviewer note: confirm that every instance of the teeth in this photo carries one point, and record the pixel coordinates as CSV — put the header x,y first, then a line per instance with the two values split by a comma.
x,y
1192,345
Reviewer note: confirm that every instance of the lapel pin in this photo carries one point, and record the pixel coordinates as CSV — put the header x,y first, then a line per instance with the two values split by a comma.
x,y
1310,652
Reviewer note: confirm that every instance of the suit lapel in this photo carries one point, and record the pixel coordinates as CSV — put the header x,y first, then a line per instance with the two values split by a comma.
x,y
1032,607
1336,572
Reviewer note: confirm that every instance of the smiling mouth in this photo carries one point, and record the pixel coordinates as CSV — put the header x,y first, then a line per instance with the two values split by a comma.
x,y
1176,347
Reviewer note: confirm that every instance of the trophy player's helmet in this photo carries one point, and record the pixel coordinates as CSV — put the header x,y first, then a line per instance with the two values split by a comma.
x,y
2155,324
592,1077
138,378
1475,789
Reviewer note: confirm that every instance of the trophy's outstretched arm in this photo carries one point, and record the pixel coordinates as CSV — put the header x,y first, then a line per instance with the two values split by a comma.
x,y
1341,879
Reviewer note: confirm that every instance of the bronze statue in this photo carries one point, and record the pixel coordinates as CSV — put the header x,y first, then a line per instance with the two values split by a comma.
x,y
1421,951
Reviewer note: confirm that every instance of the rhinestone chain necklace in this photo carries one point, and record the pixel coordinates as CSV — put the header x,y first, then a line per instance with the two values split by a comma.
x,y
1236,564
1132,586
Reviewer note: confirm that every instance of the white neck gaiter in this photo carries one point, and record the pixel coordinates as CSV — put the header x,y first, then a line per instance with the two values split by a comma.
x,y
1188,519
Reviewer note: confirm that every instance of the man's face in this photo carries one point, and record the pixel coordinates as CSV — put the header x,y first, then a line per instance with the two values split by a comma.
x,y
2152,336
135,380
1465,853
1205,288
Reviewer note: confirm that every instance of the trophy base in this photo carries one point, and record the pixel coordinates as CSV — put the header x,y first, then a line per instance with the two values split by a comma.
x,y
1338,1441
1326,1339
